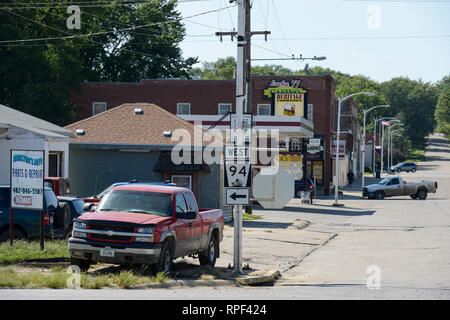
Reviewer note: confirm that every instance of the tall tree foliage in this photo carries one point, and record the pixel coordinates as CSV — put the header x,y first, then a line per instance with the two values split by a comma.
x,y
415,101
37,77
442,112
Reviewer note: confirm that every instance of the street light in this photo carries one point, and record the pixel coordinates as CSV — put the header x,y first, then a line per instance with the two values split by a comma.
x,y
363,160
336,174
390,139
374,139
382,143
389,144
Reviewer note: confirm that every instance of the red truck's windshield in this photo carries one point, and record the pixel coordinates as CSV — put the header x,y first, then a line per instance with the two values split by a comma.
x,y
137,201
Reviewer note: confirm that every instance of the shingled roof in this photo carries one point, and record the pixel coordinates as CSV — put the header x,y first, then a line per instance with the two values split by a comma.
x,y
121,125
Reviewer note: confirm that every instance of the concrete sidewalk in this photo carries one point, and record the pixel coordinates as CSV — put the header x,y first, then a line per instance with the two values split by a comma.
x,y
270,247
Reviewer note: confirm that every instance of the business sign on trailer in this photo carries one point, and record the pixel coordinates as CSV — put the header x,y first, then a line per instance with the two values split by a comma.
x,y
27,179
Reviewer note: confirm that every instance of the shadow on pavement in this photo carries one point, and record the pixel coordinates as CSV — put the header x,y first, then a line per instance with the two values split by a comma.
x,y
437,158
341,211
437,150
322,285
265,224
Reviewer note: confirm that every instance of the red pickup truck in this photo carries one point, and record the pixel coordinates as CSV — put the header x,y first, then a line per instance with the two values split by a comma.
x,y
146,224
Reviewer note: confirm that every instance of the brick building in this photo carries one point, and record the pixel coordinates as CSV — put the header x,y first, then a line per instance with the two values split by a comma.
x,y
209,100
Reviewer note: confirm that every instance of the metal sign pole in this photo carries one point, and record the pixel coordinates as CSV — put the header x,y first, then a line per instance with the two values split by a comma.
x,y
41,236
240,102
11,229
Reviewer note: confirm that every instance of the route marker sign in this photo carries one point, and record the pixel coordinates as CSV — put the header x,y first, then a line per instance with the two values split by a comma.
x,y
238,196
237,175
237,153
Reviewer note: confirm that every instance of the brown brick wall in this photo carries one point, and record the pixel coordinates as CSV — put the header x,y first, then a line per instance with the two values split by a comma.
x,y
205,95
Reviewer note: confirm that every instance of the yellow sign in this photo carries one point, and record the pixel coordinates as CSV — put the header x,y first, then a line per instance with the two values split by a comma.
x,y
288,98
289,104
292,164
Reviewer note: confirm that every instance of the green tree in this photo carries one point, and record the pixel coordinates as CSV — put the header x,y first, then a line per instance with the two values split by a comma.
x,y
225,68
272,70
442,113
415,101
222,69
127,43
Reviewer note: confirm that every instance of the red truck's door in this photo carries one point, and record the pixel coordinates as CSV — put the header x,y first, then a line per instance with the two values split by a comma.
x,y
182,227
196,224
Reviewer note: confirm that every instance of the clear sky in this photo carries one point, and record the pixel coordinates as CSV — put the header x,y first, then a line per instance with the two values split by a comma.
x,y
378,39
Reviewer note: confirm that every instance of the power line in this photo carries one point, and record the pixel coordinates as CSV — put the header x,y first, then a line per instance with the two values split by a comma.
x,y
205,25
365,38
400,1
80,4
279,25
62,31
281,54
111,31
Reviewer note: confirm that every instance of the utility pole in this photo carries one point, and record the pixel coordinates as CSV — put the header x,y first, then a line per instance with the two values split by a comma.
x,y
240,103
243,95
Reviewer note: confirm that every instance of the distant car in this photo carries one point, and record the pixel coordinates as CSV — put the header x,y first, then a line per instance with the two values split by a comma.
x,y
27,222
60,186
300,186
392,186
76,209
404,166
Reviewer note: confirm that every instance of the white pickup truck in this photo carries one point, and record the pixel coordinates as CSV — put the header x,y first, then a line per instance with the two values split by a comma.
x,y
395,186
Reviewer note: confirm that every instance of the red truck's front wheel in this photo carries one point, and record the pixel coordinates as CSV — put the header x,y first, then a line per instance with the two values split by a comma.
x,y
84,265
210,256
165,259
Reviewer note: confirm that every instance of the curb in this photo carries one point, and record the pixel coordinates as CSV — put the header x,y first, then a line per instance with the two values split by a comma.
x,y
269,276
248,280
185,283
299,260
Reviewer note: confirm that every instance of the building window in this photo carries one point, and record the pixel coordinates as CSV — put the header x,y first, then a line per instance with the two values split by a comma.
x,y
183,108
224,108
183,181
55,164
98,107
264,109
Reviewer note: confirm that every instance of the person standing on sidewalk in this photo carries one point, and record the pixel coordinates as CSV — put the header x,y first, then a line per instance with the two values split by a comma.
x,y
350,176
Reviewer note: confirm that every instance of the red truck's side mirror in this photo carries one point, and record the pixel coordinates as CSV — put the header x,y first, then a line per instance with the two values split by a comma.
x,y
87,207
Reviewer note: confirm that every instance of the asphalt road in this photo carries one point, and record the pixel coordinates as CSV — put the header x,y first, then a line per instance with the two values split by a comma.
x,y
399,246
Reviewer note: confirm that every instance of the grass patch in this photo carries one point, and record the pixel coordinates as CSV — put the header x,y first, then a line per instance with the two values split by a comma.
x,y
57,278
247,216
22,251
416,155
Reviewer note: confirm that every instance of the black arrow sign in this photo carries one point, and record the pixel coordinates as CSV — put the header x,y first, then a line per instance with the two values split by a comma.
x,y
234,196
